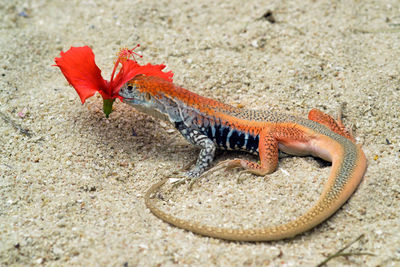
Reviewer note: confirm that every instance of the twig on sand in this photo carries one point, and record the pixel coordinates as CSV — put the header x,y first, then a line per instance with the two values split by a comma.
x,y
340,252
15,125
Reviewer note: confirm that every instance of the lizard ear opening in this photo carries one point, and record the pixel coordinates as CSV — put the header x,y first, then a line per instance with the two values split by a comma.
x,y
147,96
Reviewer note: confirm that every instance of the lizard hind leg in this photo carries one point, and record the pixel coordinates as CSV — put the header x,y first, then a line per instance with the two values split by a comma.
x,y
334,125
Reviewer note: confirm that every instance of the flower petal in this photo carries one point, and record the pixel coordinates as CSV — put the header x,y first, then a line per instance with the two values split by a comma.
x,y
81,71
131,68
156,70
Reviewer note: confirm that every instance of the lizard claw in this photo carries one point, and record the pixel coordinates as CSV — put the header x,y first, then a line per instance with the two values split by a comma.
x,y
177,181
192,181
180,181
188,177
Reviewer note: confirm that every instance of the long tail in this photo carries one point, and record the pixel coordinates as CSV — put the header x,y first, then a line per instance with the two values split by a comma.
x,y
347,172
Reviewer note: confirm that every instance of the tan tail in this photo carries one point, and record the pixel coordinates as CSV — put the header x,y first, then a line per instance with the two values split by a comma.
x,y
346,174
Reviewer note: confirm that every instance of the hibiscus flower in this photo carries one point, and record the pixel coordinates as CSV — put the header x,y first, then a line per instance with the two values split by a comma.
x,y
81,71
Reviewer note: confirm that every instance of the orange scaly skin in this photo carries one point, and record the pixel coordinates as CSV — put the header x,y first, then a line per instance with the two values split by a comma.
x,y
211,124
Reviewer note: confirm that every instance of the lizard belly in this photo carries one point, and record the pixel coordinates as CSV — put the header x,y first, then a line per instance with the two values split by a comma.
x,y
228,138
309,148
294,148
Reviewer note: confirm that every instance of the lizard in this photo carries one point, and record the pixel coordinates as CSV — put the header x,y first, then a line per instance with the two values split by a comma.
x,y
211,125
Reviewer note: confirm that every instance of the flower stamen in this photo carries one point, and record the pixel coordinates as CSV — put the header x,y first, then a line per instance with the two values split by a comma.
x,y
123,55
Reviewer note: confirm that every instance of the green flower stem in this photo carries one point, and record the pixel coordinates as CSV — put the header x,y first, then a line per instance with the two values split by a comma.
x,y
107,106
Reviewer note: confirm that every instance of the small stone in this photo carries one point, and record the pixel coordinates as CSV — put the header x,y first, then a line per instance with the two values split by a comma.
x,y
254,43
23,14
57,250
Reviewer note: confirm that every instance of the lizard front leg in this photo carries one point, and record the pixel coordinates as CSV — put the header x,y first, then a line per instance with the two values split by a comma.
x,y
207,151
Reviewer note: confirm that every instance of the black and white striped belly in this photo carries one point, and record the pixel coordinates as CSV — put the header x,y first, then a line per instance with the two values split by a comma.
x,y
228,138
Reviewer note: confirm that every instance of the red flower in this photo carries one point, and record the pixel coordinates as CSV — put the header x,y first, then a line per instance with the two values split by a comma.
x,y
81,71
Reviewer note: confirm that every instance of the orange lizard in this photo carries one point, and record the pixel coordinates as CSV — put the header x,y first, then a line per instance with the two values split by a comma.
x,y
210,124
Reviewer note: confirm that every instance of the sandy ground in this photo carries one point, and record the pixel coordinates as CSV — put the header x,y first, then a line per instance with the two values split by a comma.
x,y
72,187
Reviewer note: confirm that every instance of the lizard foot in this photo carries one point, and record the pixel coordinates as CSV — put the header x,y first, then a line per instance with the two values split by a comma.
x,y
189,176
230,164
190,180
336,126
248,166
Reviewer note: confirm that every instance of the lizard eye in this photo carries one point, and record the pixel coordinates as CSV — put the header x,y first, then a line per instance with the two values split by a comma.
x,y
147,96
129,87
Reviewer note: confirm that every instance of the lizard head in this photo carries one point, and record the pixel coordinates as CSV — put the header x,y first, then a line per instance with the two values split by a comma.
x,y
144,90
143,93
133,95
